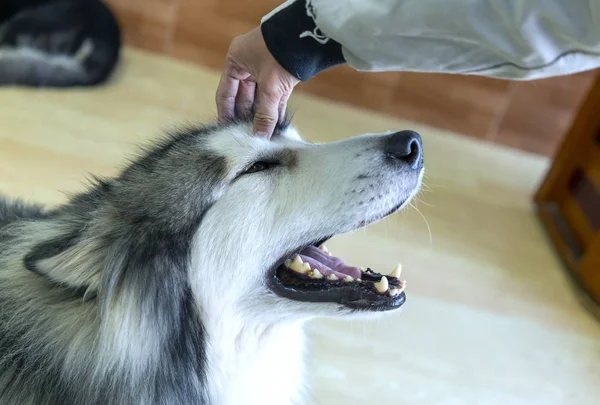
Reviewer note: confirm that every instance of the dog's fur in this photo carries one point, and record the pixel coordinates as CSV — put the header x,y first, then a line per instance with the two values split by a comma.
x,y
151,287
57,43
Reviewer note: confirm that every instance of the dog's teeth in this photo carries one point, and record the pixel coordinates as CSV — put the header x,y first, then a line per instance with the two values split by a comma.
x,y
332,277
358,280
316,274
402,285
324,249
396,272
297,265
305,267
287,263
394,292
348,278
382,285
362,269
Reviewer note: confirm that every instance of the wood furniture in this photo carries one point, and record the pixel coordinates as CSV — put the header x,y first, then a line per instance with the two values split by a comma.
x,y
568,201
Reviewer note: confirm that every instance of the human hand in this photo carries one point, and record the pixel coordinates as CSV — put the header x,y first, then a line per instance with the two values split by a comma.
x,y
252,76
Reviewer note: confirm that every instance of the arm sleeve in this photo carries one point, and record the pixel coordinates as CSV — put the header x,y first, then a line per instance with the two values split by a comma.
x,y
293,38
510,39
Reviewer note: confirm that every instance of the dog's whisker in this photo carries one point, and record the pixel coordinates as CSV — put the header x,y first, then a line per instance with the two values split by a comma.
x,y
425,188
434,185
426,223
418,199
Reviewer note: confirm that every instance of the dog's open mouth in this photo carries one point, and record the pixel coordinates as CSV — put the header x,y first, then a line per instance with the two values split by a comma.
x,y
314,275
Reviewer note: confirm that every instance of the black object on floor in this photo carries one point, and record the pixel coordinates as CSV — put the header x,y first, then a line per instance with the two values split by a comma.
x,y
57,43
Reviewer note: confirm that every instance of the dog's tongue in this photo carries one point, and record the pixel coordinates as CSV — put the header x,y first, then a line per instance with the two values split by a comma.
x,y
327,264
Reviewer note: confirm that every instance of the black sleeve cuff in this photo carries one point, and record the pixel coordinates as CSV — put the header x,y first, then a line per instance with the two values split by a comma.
x,y
298,44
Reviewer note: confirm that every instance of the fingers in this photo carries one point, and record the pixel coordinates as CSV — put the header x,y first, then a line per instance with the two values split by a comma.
x,y
253,78
267,112
237,97
245,98
226,94
283,106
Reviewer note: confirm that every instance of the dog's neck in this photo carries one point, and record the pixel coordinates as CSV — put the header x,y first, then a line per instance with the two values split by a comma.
x,y
254,363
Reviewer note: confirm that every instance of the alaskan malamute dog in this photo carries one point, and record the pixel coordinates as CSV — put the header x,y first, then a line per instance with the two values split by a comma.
x,y
187,279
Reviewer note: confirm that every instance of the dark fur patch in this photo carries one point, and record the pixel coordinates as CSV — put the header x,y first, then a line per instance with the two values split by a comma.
x,y
11,211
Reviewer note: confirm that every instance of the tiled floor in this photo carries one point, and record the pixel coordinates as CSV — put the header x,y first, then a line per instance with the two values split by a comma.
x,y
490,318
531,116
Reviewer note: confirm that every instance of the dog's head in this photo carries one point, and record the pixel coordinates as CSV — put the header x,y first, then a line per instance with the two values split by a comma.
x,y
262,208
243,220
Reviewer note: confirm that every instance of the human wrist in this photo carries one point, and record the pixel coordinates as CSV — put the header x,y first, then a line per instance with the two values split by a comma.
x,y
297,44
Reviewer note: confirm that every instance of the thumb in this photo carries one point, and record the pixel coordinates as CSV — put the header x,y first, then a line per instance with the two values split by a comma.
x,y
267,112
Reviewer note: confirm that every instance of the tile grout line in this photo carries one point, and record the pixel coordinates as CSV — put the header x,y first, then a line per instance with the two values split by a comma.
x,y
492,131
172,27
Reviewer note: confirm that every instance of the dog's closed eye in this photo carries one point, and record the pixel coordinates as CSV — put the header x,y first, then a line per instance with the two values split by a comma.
x,y
260,166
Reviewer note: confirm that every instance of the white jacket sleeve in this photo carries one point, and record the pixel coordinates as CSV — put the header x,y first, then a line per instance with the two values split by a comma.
x,y
511,39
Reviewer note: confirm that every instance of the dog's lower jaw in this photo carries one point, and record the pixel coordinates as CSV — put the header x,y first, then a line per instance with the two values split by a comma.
x,y
255,364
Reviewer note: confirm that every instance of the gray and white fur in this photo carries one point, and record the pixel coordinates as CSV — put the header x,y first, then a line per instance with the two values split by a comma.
x,y
150,287
57,43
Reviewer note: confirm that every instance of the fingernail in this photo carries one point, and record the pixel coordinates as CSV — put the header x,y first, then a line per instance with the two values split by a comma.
x,y
262,134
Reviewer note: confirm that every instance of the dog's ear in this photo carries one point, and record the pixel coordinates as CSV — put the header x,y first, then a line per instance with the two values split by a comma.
x,y
69,259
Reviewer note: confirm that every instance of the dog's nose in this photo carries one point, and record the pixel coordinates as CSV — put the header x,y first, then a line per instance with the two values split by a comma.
x,y
405,146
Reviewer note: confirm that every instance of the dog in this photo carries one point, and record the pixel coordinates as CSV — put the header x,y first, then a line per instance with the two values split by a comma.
x,y
57,43
188,277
